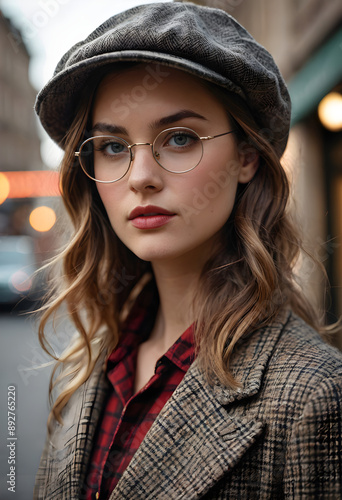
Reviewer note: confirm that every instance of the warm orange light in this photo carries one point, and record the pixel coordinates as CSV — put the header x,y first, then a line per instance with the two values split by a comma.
x,y
31,183
330,111
4,187
42,219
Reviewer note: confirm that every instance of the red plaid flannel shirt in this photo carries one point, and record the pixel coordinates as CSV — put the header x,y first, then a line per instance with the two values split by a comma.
x,y
127,417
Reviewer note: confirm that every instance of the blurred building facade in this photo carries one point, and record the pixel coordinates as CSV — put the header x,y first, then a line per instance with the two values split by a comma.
x,y
19,140
305,39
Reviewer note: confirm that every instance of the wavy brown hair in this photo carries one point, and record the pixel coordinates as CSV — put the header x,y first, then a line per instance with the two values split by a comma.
x,y
243,285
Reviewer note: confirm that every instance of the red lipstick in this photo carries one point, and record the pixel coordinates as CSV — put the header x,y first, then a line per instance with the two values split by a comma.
x,y
150,217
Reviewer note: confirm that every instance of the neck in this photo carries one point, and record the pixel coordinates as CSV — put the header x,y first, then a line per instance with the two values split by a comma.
x,y
176,287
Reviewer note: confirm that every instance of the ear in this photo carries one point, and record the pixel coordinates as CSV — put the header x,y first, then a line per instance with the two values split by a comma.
x,y
249,165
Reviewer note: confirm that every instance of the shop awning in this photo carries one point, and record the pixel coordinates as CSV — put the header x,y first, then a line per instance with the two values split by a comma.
x,y
318,77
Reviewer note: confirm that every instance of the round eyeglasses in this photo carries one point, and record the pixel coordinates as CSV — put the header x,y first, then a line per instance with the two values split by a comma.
x,y
107,158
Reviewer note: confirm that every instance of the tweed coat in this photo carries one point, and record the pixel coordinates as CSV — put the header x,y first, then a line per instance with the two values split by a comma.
x,y
279,436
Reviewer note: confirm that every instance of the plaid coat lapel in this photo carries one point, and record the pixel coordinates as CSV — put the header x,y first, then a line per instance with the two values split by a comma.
x,y
190,446
194,441
93,402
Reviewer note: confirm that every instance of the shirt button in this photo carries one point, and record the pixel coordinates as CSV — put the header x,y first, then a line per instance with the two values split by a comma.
x,y
97,496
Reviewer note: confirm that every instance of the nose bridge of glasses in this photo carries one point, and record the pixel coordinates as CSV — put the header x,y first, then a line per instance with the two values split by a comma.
x,y
140,144
131,146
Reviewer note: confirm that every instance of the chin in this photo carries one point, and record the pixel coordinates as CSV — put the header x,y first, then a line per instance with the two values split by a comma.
x,y
153,256
155,252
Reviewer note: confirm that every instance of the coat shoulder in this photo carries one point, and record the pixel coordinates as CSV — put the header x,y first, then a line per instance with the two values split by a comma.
x,y
303,368
302,346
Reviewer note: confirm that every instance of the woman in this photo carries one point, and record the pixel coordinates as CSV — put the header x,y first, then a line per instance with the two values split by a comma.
x,y
194,372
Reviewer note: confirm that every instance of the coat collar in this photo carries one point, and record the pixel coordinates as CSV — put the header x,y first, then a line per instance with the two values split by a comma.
x,y
250,360
191,444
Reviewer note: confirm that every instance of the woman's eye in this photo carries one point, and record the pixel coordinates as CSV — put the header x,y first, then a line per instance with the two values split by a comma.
x,y
113,148
180,140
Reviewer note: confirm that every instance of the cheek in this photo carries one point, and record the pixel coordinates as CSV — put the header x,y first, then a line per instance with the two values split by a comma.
x,y
212,189
111,198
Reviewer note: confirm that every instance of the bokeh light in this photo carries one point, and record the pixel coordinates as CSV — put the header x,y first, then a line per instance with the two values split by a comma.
x,y
330,111
4,187
21,281
42,219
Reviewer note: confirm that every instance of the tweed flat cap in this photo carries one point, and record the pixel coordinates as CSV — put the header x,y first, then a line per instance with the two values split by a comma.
x,y
203,41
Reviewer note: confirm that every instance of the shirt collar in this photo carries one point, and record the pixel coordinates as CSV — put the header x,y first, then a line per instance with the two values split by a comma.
x,y
182,352
137,328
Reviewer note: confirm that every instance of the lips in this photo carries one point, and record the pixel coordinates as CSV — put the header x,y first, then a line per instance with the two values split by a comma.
x,y
150,217
148,211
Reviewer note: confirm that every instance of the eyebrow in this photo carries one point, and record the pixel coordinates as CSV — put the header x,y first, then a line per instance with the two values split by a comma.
x,y
180,115
166,120
107,127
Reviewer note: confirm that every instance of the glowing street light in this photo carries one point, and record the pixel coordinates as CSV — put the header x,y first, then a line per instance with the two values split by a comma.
x,y
330,111
4,187
42,219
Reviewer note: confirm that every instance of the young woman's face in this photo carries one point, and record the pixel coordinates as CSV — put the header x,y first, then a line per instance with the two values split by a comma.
x,y
157,214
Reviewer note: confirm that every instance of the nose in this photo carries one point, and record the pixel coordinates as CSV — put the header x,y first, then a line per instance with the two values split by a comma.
x,y
144,173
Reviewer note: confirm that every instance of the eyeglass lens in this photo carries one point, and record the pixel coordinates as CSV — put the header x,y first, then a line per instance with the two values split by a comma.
x,y
107,158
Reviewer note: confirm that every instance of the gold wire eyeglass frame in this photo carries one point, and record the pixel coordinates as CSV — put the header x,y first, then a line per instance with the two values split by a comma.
x,y
154,153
